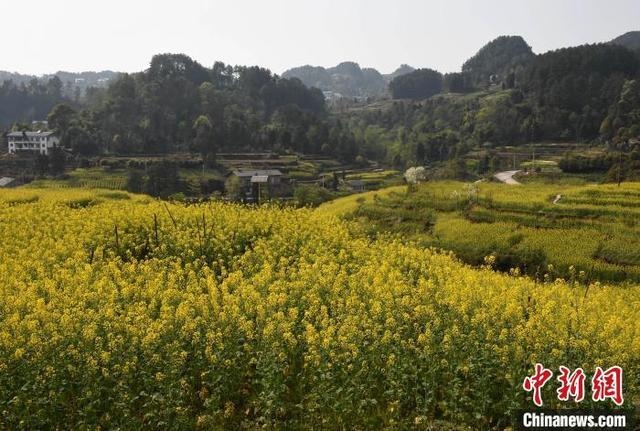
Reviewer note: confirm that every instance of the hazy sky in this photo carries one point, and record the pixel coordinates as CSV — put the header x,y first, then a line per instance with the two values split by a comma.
x,y
43,36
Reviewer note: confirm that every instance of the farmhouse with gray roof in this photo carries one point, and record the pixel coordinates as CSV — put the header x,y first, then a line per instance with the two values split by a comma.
x,y
38,142
256,181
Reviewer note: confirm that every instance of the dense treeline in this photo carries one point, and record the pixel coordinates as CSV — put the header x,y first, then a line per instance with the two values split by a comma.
x,y
573,89
498,62
622,123
504,95
618,166
178,105
576,163
582,94
419,84
26,102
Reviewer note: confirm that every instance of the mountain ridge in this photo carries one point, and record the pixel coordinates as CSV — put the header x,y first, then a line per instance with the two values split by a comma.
x,y
630,40
72,82
346,79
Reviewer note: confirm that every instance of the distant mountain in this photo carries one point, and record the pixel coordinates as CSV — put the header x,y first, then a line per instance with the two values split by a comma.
x,y
346,79
71,82
402,70
629,40
500,57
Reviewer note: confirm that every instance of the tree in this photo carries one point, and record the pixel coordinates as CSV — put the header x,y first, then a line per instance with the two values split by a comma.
x,y
619,171
54,87
398,163
415,175
623,120
483,164
420,153
455,83
42,164
456,168
163,179
57,161
60,118
135,181
204,137
80,141
510,80
172,66
253,79
311,195
347,147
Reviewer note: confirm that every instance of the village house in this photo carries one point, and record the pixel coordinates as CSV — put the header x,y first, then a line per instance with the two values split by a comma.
x,y
356,185
35,142
258,182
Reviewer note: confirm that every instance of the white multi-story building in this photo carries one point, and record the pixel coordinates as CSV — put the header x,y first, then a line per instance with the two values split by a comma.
x,y
41,142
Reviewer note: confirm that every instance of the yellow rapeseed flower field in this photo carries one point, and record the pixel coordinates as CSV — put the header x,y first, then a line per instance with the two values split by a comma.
x,y
122,312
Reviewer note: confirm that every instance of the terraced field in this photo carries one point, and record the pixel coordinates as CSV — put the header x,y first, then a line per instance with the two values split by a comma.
x,y
93,178
591,232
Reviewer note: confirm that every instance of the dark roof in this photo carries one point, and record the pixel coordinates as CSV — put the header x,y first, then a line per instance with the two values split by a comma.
x,y
29,134
356,183
257,173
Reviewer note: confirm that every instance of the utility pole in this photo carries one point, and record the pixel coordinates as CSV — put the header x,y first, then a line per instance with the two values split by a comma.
x,y
259,193
533,156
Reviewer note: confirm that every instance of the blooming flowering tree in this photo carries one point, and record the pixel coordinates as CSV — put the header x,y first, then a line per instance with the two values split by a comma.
x,y
415,175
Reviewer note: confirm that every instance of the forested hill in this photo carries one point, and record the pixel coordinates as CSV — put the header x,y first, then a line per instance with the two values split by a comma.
x,y
588,94
72,82
26,98
498,58
504,95
346,79
178,105
499,62
629,40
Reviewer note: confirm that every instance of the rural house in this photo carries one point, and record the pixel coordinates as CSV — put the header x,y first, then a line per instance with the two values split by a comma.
x,y
355,185
256,182
35,142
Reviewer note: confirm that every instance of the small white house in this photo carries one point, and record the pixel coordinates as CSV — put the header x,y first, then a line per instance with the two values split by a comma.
x,y
40,142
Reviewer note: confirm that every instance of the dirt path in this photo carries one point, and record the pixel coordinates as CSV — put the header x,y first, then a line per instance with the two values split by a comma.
x,y
507,177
